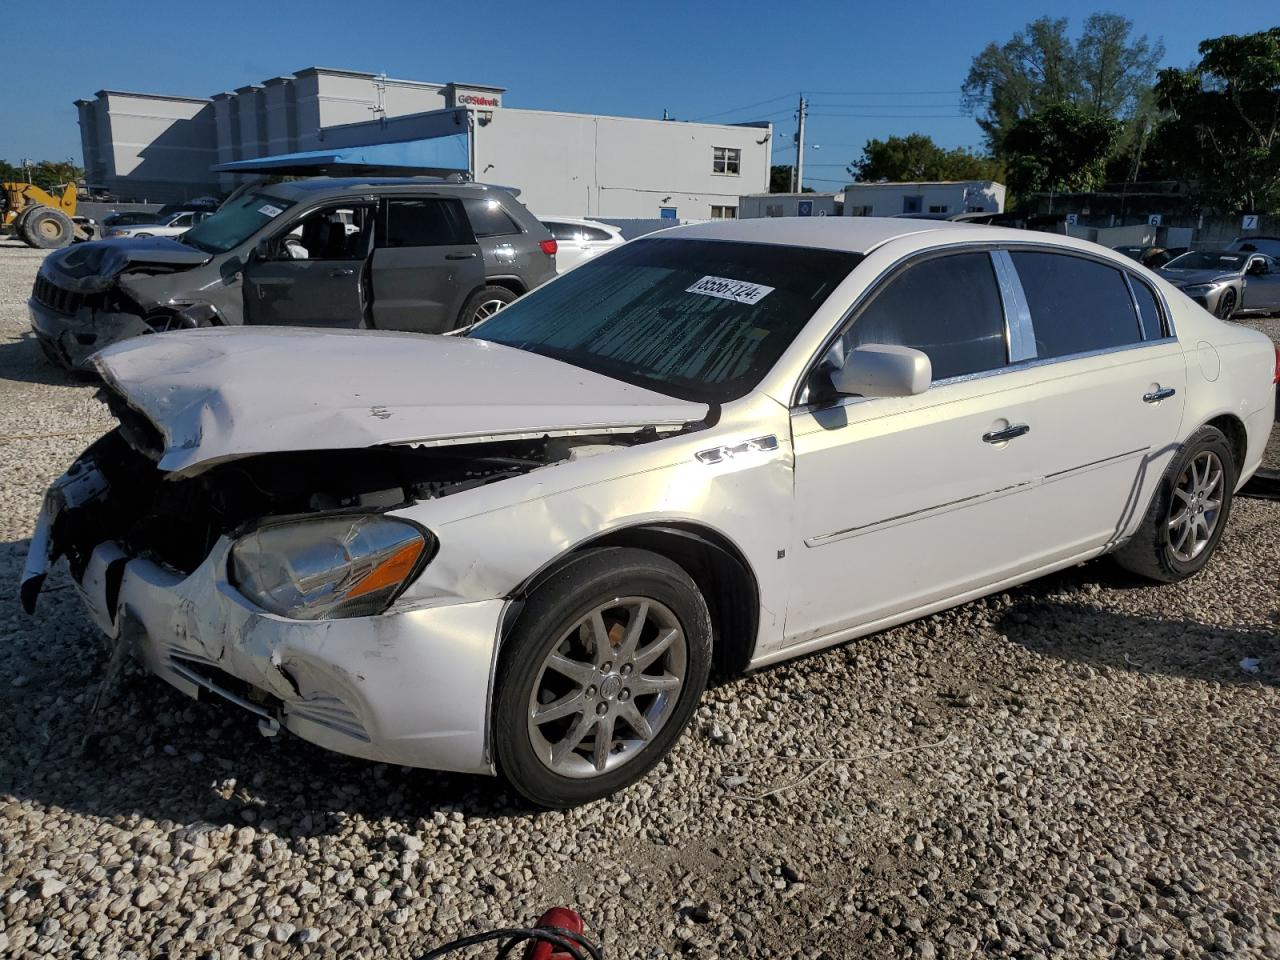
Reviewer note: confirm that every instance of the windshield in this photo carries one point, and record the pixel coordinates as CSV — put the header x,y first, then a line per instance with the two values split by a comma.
x,y
697,319
236,222
1208,260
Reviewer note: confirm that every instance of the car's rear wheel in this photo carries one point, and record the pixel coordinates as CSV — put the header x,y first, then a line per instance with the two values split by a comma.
x,y
1226,305
1188,513
484,303
600,676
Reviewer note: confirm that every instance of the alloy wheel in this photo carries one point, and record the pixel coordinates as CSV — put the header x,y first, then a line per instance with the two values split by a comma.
x,y
1227,305
1195,506
487,309
607,687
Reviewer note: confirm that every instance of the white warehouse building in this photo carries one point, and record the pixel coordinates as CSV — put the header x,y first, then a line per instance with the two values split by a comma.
x,y
322,121
942,196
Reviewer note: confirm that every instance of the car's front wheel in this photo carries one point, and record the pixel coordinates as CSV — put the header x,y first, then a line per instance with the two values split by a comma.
x,y
600,676
1226,305
1188,513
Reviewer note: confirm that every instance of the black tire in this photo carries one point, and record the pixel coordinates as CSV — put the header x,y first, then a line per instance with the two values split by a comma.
x,y
483,298
593,578
1150,553
1226,305
47,229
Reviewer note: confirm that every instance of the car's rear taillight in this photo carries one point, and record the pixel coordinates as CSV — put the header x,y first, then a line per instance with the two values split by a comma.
x,y
1276,378
549,247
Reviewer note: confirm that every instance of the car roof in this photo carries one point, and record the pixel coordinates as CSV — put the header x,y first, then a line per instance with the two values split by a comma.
x,y
852,234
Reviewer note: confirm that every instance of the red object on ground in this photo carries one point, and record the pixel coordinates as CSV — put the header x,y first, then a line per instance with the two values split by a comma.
x,y
555,917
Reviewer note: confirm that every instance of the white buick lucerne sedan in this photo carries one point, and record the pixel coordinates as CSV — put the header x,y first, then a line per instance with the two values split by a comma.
x,y
521,550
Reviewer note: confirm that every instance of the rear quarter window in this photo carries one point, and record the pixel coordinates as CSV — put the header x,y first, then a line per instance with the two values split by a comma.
x,y
1077,305
489,219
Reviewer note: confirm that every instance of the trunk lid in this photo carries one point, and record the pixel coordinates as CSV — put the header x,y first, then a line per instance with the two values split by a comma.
x,y
220,393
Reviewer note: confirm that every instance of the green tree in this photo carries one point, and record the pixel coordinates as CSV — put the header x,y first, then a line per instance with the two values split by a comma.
x,y
1223,123
1107,72
917,157
48,174
1061,148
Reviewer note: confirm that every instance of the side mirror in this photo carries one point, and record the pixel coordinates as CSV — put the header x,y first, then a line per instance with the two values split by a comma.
x,y
1257,268
262,249
882,370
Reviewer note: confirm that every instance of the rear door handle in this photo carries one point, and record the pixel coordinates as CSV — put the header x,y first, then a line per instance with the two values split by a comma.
x,y
1008,433
1155,396
459,256
342,272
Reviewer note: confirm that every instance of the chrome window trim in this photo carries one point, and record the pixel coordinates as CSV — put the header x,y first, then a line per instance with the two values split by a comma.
x,y
1030,364
1020,337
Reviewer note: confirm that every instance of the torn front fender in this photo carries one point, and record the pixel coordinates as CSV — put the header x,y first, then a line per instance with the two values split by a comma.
x,y
82,484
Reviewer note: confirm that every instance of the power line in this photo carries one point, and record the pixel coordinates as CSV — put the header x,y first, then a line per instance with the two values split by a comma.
x,y
749,106
879,93
896,116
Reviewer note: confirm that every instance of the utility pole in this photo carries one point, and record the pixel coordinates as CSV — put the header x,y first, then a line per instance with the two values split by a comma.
x,y
797,172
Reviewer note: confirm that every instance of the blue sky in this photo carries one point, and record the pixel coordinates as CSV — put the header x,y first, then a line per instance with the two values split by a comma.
x,y
870,70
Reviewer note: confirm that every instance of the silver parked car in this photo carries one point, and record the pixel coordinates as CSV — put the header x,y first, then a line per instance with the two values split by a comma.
x,y
1227,282
520,550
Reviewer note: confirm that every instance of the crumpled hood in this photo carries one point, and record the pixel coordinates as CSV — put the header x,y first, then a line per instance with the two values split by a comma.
x,y
1189,278
91,267
225,392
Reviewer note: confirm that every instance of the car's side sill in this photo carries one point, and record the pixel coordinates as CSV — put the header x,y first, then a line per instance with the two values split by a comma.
x,y
884,623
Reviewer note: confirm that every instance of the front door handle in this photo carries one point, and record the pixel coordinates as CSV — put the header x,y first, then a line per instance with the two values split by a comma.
x,y
342,272
1008,433
1155,396
459,256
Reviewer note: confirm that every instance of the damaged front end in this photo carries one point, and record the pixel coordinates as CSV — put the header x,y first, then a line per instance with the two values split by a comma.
x,y
84,299
186,575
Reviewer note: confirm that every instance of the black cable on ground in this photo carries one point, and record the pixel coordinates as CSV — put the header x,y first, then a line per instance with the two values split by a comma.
x,y
566,941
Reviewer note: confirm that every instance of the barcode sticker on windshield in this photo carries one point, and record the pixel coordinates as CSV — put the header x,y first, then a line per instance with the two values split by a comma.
x,y
267,210
737,290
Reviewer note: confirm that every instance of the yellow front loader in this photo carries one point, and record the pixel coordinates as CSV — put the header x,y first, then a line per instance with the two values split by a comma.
x,y
39,218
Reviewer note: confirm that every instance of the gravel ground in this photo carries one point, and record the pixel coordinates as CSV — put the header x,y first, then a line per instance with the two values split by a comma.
x,y
1076,768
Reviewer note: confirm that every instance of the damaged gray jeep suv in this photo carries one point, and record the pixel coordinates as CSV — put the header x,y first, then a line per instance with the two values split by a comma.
x,y
412,254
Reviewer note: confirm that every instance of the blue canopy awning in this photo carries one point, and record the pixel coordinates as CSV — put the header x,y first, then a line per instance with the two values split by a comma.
x,y
441,155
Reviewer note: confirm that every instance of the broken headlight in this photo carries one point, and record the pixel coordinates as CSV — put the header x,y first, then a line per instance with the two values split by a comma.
x,y
349,566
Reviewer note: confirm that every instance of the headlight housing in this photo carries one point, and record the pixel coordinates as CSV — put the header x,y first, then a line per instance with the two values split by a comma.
x,y
331,567
1200,289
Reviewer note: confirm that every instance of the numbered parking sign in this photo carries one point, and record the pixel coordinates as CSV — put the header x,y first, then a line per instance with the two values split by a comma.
x,y
804,208
1154,220
1072,219
1250,222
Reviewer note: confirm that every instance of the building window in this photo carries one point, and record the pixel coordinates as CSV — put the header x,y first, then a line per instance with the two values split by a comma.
x,y
912,204
724,213
938,208
863,211
667,213
726,160
773,209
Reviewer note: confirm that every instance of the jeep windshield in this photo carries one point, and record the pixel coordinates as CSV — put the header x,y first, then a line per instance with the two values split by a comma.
x,y
701,320
235,223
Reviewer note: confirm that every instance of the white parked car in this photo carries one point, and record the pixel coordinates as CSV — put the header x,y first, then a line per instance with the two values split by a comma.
x,y
173,225
579,240
521,550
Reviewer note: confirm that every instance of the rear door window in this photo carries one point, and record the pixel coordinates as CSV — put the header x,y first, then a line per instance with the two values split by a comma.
x,y
425,223
948,307
489,219
1077,305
